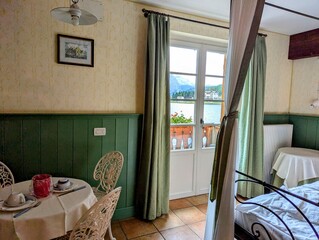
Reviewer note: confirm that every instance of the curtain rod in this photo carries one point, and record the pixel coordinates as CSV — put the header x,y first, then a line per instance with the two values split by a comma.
x,y
147,12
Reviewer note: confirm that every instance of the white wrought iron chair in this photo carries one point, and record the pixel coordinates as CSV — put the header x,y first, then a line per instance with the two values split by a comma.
x,y
96,221
107,171
6,176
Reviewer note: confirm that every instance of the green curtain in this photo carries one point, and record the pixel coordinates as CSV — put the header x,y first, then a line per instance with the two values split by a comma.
x,y
153,173
251,132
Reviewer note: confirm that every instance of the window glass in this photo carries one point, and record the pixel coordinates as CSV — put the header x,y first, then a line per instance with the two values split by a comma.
x,y
183,60
214,88
212,112
215,63
182,86
209,135
182,137
182,112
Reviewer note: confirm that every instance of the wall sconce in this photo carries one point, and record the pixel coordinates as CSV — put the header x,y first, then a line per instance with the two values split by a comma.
x,y
315,103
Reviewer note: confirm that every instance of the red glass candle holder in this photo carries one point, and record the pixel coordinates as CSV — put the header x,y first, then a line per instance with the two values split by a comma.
x,y
42,185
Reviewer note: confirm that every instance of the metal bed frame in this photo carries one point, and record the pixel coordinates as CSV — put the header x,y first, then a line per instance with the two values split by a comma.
x,y
256,227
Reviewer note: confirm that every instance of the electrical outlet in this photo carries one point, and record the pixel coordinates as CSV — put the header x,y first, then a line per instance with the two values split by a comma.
x,y
99,131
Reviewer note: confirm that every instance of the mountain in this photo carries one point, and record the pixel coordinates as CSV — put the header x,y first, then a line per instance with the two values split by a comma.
x,y
180,84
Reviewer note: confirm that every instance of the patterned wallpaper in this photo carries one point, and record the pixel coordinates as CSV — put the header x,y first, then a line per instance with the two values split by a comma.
x,y
278,74
305,86
32,81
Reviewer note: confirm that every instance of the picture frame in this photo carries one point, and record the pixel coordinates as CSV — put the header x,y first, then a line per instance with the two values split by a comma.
x,y
75,50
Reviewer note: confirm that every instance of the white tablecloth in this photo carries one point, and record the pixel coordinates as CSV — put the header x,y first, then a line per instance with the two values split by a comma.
x,y
296,164
53,218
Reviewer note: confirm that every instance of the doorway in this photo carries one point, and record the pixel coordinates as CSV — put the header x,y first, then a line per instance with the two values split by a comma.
x,y
197,105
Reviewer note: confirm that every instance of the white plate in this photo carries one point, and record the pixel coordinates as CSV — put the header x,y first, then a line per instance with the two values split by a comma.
x,y
31,200
57,190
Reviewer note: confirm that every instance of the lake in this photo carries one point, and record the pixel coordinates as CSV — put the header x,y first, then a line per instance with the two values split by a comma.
x,y
211,111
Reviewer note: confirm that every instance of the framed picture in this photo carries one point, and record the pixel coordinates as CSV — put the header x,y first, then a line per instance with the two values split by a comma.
x,y
75,50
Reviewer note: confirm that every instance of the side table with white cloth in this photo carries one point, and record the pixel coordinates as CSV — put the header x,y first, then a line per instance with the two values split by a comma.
x,y
54,217
294,166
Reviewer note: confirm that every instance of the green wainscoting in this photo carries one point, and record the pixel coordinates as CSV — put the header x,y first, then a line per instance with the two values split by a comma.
x,y
276,118
305,130
64,145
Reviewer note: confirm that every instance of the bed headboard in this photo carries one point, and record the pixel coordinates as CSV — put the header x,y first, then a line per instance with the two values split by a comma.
x,y
275,136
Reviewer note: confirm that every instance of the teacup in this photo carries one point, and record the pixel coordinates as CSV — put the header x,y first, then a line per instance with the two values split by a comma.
x,y
15,199
63,183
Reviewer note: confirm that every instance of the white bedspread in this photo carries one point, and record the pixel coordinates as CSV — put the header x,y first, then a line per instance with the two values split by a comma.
x,y
246,214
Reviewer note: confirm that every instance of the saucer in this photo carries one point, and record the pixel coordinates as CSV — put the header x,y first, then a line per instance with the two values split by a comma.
x,y
6,204
30,201
57,190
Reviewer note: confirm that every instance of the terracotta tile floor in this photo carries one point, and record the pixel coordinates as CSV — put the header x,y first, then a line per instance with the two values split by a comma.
x,y
185,221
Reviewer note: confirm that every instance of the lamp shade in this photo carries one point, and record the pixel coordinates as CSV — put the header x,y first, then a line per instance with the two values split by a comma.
x,y
73,16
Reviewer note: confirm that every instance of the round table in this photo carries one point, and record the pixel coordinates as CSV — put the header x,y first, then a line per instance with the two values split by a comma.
x,y
54,217
295,165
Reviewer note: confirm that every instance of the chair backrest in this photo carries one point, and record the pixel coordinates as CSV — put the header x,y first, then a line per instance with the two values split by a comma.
x,y
95,222
6,176
108,170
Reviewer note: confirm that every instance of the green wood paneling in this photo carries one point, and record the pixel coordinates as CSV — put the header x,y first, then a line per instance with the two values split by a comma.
x,y
94,148
13,148
108,143
306,131
121,142
80,149
299,132
317,138
65,148
123,213
31,145
49,146
64,145
131,164
311,133
276,118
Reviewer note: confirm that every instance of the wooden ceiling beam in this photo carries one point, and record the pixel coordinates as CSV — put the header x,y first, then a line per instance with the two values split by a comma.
x,y
304,45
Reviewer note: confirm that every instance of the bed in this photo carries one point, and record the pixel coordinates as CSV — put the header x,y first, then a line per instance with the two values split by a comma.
x,y
282,214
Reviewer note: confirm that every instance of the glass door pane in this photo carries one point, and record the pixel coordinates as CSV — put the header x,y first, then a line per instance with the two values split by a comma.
x,y
182,138
213,100
183,94
213,97
215,63
183,60
182,86
214,88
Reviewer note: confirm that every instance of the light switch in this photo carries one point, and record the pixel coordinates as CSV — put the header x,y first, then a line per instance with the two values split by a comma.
x,y
99,131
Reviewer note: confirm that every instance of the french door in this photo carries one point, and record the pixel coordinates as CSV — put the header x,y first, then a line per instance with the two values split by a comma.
x,y
196,92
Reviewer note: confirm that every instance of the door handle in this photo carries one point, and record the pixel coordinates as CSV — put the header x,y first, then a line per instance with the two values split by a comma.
x,y
201,121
